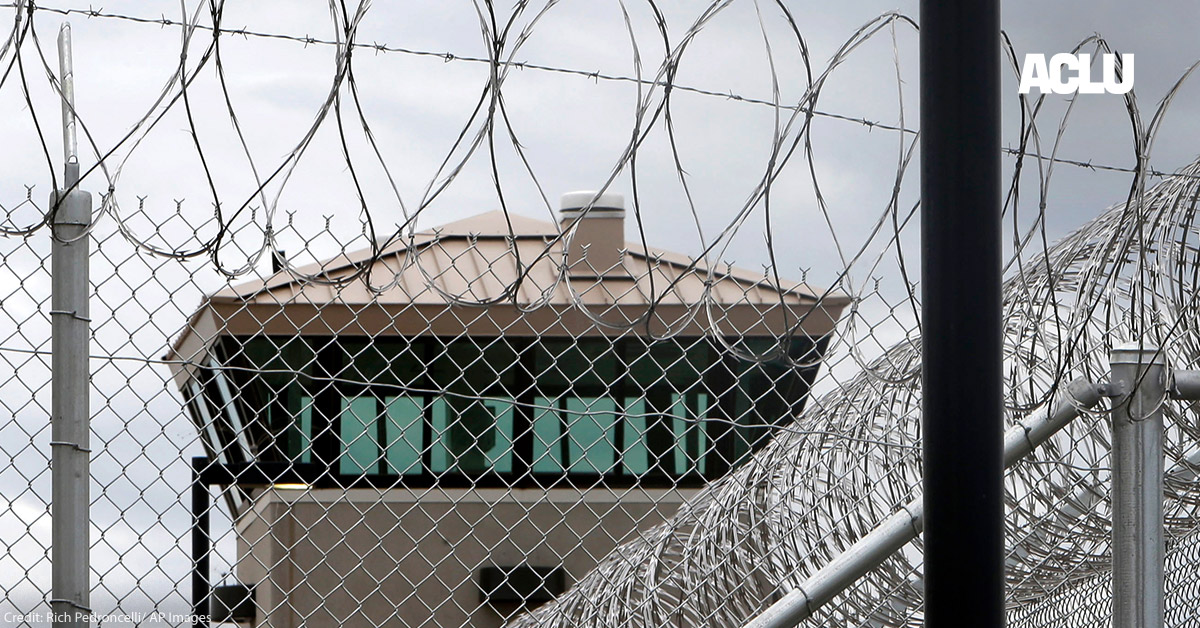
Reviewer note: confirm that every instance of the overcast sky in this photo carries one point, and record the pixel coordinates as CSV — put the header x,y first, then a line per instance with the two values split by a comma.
x,y
572,128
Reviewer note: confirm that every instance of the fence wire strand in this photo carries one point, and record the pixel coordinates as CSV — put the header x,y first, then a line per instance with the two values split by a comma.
x,y
405,416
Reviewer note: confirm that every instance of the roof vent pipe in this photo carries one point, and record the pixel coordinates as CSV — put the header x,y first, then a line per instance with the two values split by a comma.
x,y
594,245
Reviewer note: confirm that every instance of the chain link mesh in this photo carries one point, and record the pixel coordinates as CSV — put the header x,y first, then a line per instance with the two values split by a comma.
x,y
497,420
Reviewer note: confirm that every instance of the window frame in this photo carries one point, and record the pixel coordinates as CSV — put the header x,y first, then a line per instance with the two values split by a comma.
x,y
717,447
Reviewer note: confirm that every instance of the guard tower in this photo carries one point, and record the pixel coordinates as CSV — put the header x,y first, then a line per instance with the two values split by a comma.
x,y
497,402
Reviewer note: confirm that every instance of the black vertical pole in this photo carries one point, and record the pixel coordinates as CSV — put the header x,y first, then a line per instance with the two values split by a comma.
x,y
962,392
201,544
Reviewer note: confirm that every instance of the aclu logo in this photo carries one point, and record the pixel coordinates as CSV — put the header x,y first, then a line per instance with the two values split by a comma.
x,y
1069,74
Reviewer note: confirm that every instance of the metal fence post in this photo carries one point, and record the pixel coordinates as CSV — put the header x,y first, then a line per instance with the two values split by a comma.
x,y
201,544
1139,377
71,215
962,400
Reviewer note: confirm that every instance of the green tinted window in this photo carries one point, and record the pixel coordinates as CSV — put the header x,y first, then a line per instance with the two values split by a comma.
x,y
471,435
671,441
499,457
591,428
547,436
405,435
267,379
691,439
407,407
359,435
635,455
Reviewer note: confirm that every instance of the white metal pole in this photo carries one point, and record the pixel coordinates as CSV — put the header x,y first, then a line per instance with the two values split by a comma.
x,y
70,542
1139,377
904,525
66,71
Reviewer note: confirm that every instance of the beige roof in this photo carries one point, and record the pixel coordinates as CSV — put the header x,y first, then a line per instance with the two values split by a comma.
x,y
471,259
465,277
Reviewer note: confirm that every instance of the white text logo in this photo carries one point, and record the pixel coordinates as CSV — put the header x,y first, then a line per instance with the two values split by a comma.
x,y
1053,77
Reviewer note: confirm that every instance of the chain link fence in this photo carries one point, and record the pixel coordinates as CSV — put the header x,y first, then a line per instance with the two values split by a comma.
x,y
558,409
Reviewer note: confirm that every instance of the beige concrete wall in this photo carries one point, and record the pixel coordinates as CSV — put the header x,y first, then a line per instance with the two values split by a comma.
x,y
410,558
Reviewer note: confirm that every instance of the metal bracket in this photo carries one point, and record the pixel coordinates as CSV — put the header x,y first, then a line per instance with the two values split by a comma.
x,y
71,602
73,314
76,446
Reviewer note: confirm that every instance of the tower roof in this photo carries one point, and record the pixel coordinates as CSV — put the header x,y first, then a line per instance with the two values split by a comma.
x,y
496,273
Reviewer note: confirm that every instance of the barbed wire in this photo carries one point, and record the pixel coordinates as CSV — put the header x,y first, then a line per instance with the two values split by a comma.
x,y
450,57
345,23
348,45
827,474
